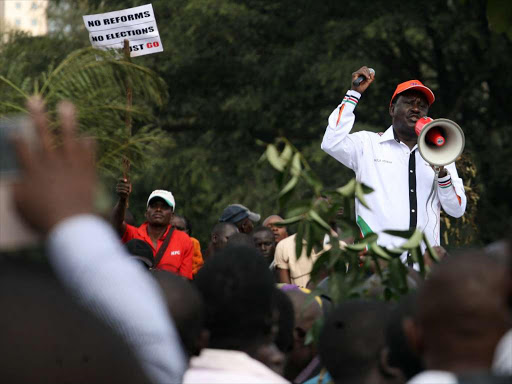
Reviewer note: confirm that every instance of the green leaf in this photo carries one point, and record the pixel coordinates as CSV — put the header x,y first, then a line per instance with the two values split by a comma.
x,y
414,241
299,209
356,246
286,155
379,251
312,180
348,190
299,239
366,189
273,158
360,195
316,217
291,220
289,186
308,237
431,250
323,262
296,165
369,238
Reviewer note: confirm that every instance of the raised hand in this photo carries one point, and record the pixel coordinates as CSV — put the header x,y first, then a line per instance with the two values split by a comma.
x,y
58,178
363,71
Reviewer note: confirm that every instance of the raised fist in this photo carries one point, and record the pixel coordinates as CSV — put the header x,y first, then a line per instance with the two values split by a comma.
x,y
123,188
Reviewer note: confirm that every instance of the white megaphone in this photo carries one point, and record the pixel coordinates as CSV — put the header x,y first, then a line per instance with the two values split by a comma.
x,y
440,141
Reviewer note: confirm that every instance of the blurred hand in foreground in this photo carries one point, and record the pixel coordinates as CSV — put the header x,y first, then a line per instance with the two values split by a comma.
x,y
57,181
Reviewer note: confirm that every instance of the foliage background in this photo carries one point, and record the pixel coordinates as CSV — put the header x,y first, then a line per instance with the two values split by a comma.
x,y
240,74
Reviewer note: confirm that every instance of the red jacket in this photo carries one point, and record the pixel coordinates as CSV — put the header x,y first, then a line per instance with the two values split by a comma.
x,y
178,255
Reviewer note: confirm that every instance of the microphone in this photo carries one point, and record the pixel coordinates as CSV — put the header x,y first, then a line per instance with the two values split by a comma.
x,y
361,78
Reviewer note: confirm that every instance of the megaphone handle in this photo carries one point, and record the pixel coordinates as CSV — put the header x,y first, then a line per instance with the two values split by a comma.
x,y
437,169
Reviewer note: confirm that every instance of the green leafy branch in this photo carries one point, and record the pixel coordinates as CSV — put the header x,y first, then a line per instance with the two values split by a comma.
x,y
359,268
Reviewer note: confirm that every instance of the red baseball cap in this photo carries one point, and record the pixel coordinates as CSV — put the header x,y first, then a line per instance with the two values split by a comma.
x,y
416,85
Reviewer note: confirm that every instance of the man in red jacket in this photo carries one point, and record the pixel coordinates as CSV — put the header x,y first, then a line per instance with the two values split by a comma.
x,y
177,257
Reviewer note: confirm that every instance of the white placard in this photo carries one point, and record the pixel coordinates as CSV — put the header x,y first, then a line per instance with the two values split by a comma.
x,y
138,25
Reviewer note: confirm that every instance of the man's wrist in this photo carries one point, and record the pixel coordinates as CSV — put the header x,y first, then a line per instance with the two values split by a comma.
x,y
351,97
123,200
445,181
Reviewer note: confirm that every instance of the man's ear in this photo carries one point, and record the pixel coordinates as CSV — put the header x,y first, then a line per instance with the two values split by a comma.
x,y
414,335
215,238
391,109
146,213
392,374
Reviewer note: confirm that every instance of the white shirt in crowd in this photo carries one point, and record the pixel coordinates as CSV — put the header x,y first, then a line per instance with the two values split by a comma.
x,y
221,366
434,377
401,179
90,261
502,364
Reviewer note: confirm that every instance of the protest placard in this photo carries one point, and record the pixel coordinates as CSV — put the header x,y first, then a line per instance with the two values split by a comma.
x,y
137,25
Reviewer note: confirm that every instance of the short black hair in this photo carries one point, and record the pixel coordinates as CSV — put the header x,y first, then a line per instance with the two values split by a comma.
x,y
188,226
237,289
186,307
241,239
352,338
261,228
142,251
400,353
220,228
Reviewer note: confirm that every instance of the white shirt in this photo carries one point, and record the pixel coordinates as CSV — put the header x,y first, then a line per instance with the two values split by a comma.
x,y
434,377
502,364
401,182
229,367
90,261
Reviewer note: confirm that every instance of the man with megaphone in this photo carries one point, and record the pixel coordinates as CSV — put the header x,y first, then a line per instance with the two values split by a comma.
x,y
412,177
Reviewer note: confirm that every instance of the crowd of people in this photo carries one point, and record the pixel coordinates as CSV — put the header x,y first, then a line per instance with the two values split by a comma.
x,y
149,303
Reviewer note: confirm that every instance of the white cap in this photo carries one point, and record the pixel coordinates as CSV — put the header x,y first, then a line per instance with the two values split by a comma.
x,y
166,195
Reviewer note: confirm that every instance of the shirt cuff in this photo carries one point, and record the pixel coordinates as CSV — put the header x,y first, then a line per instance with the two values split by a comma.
x,y
351,99
445,182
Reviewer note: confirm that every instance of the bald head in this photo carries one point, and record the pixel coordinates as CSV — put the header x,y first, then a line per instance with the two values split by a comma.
x,y
280,233
307,311
462,312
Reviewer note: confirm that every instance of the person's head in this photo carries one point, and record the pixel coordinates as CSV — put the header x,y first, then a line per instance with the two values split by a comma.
x,y
221,233
280,233
241,216
283,308
352,343
180,223
48,337
141,251
238,291
409,103
400,353
461,313
186,307
160,208
306,311
241,239
274,352
265,242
